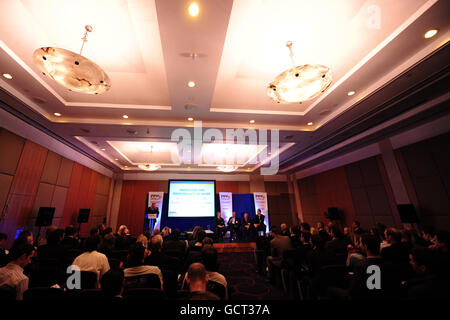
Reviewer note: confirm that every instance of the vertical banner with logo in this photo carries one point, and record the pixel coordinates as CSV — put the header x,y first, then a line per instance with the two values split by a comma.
x,y
261,203
226,205
157,199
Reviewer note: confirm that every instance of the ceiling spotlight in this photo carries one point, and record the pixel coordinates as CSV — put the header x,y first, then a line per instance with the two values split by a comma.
x,y
57,114
103,149
149,167
191,84
350,93
125,116
116,159
431,33
193,9
71,70
252,121
7,76
191,119
300,83
310,123
227,168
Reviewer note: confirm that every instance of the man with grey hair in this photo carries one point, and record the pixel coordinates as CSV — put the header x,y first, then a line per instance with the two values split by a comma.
x,y
159,259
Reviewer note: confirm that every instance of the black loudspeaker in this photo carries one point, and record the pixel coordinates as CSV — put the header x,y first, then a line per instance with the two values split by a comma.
x,y
83,215
45,217
333,213
407,213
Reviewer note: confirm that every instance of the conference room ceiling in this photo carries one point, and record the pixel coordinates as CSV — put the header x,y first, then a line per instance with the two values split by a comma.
x,y
232,50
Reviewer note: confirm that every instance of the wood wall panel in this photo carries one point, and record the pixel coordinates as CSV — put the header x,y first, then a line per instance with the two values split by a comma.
x,y
227,186
132,203
51,168
65,172
5,185
11,147
43,198
308,199
58,201
29,170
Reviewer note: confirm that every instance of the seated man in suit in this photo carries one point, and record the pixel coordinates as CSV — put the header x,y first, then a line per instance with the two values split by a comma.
x,y
246,227
278,245
258,222
219,225
233,226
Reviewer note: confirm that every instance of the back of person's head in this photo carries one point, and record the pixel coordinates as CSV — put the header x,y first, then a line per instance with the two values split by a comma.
x,y
108,241
394,234
320,225
121,230
55,237
70,231
201,235
209,257
112,282
176,234
381,228
165,232
142,240
356,223
371,242
92,243
196,274
275,230
156,232
156,243
49,230
93,232
283,226
207,240
306,236
305,226
136,255
19,249
295,230
335,232
107,230
317,241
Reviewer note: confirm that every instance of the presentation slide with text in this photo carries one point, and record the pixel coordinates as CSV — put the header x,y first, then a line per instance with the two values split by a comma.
x,y
191,199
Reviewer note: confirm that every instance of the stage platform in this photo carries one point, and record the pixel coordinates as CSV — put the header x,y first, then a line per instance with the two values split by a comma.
x,y
226,247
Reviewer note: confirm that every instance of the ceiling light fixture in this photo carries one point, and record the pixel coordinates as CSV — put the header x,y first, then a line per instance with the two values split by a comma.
x,y
71,70
227,168
7,76
193,9
350,93
116,159
431,33
190,119
103,149
300,83
191,84
57,114
149,167
125,116
252,121
310,123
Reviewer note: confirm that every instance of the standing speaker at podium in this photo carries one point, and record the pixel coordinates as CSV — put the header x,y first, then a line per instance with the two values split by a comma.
x,y
152,213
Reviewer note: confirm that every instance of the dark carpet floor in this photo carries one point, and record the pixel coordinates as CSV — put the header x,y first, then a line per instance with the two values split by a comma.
x,y
243,281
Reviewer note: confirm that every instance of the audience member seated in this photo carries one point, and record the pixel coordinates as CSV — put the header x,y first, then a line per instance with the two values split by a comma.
x,y
284,230
278,245
70,240
113,284
397,251
322,232
219,227
107,245
165,233
122,238
135,264
92,260
428,236
432,279
209,258
441,242
294,235
356,227
53,249
198,244
174,246
197,279
12,275
157,258
337,245
143,240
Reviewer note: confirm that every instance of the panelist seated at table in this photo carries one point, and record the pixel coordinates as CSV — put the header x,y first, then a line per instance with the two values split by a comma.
x,y
247,227
219,225
233,226
258,221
